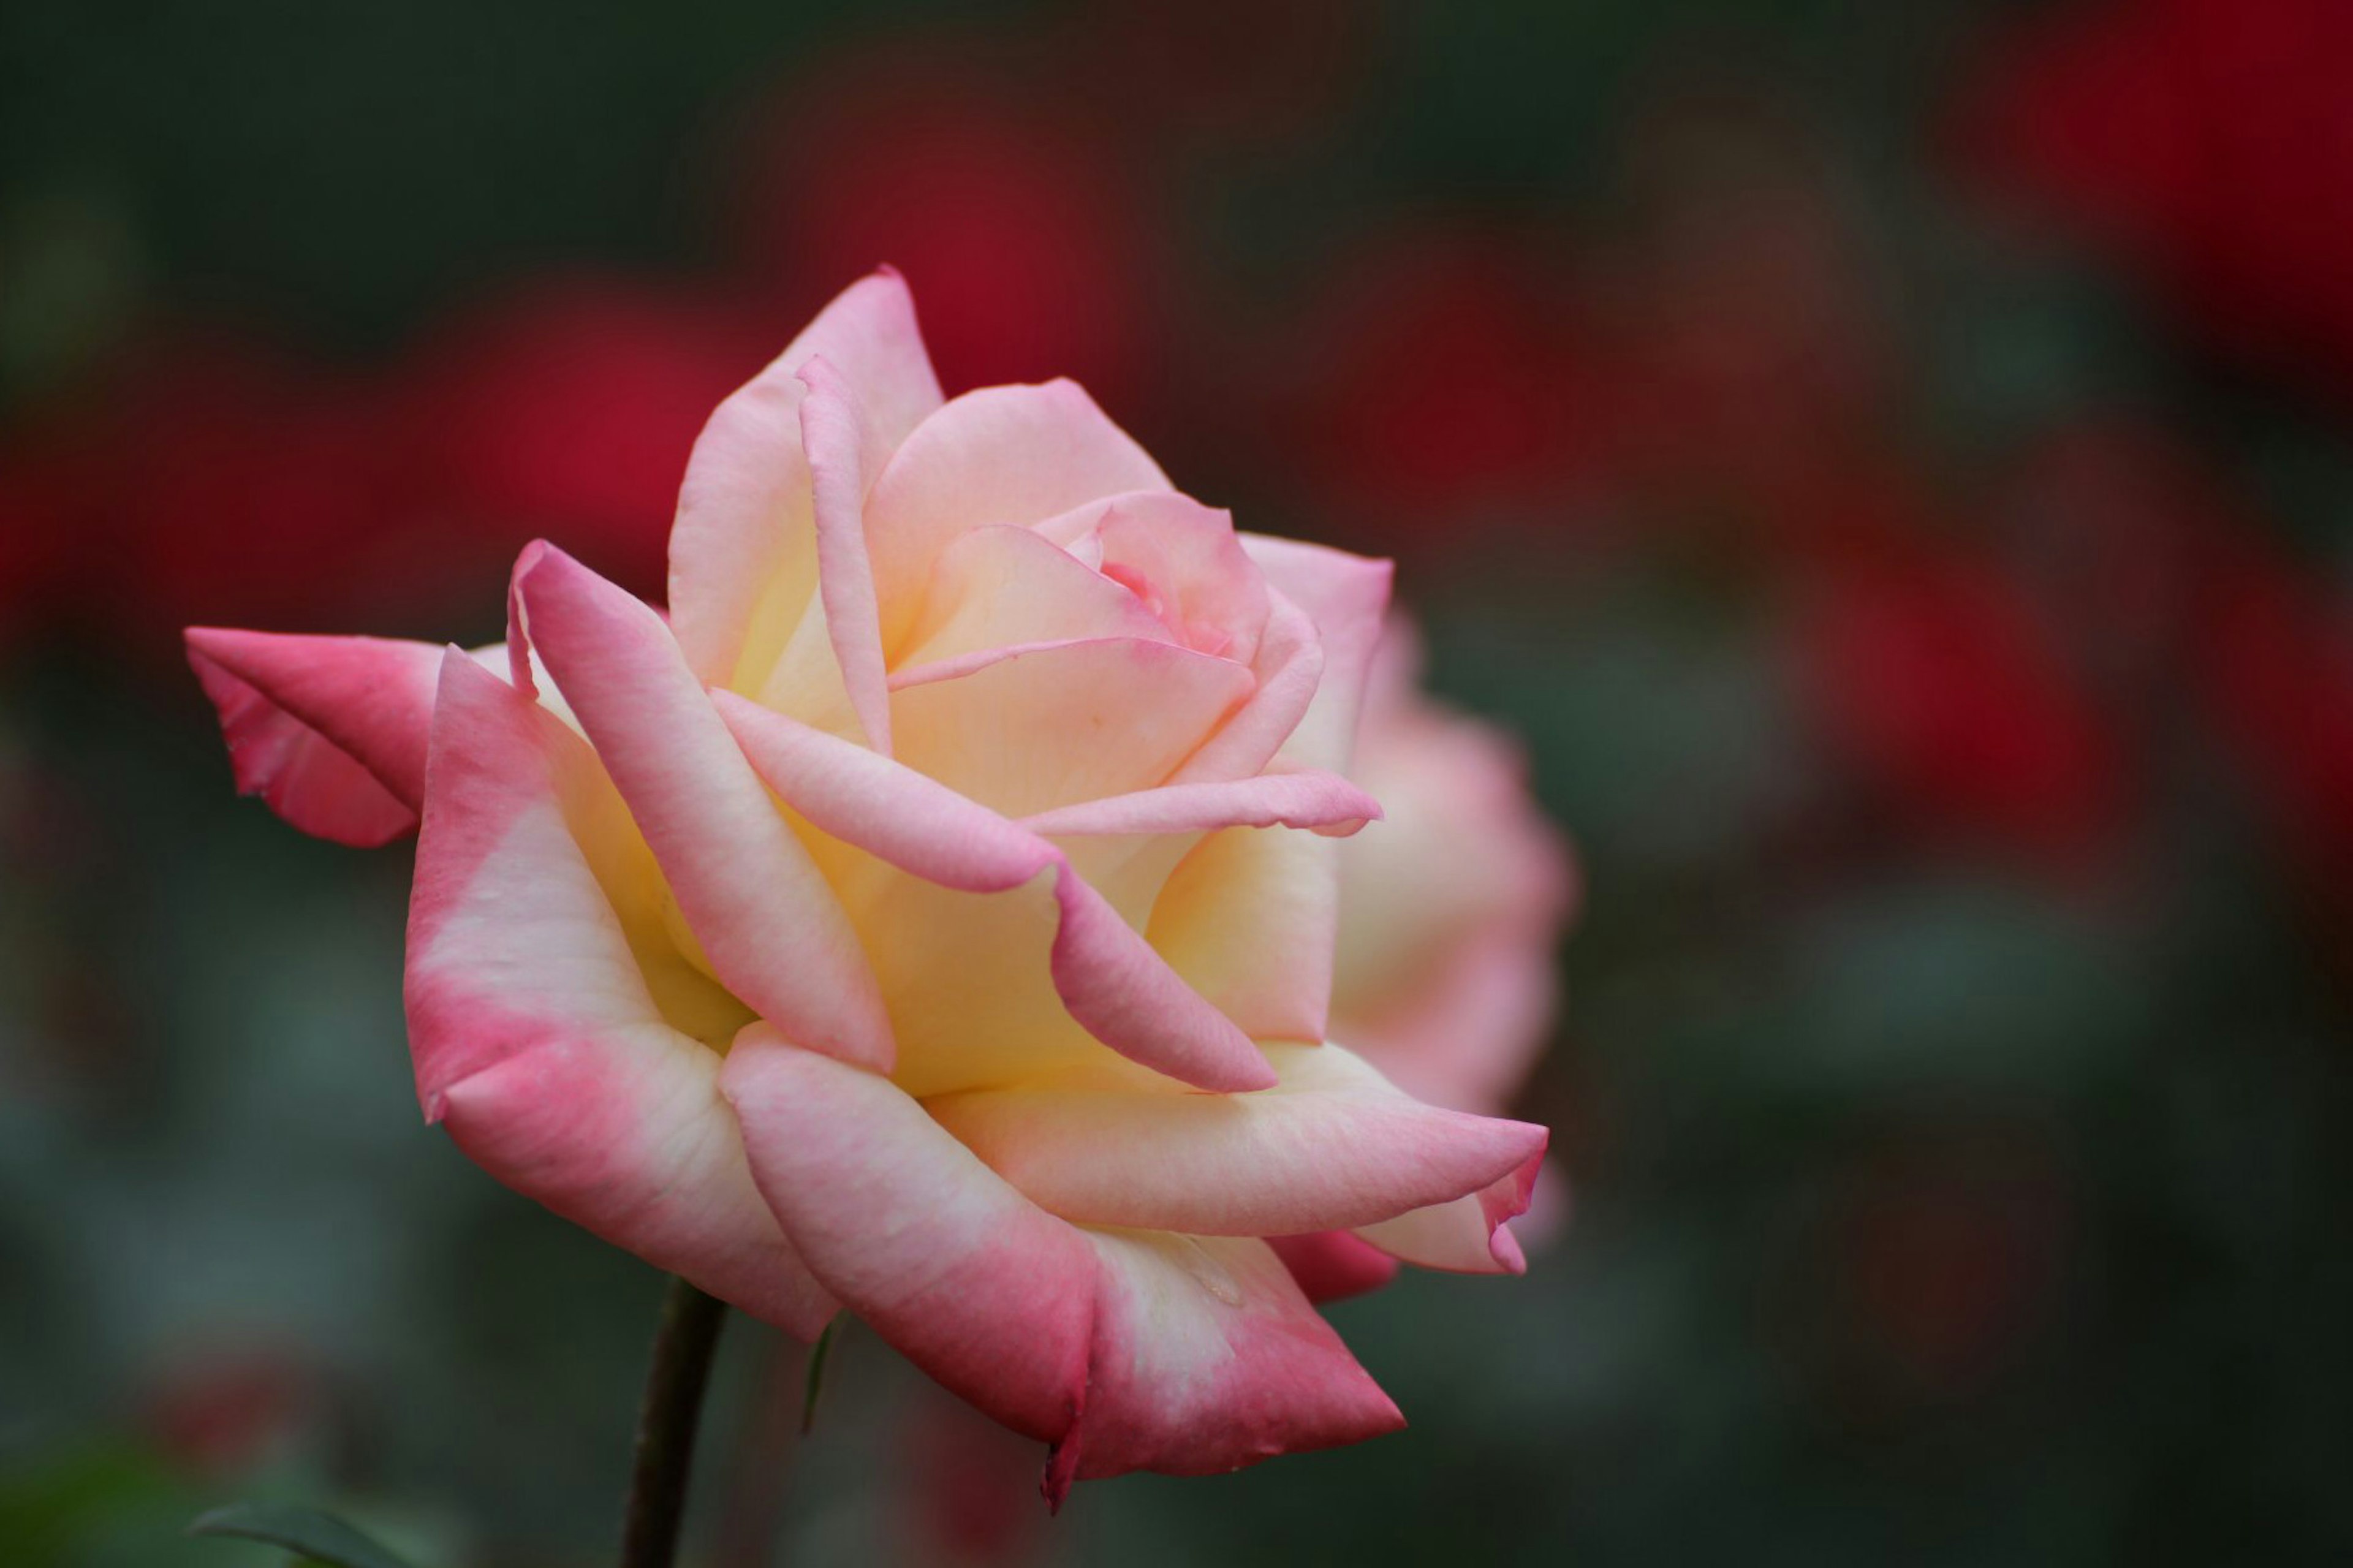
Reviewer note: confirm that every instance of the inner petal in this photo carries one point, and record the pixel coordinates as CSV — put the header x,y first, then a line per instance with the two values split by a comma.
x,y
999,586
1183,560
1046,726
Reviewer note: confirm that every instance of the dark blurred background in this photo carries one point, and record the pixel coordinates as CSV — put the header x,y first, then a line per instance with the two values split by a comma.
x,y
1894,464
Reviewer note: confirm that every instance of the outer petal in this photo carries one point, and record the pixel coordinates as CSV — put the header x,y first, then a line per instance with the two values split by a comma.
x,y
1324,803
537,1041
830,431
1470,1032
934,847
1470,1236
1333,1145
742,550
1449,914
1346,595
774,933
1128,1351
1331,1265
330,730
1001,455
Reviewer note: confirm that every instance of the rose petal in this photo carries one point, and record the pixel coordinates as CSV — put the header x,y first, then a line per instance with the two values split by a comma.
x,y
1128,1351
1250,920
743,560
1247,919
989,947
837,467
1001,455
997,586
1333,1145
538,1042
1322,802
1289,668
1331,1265
331,731
771,930
1185,560
1346,597
1025,730
1470,1236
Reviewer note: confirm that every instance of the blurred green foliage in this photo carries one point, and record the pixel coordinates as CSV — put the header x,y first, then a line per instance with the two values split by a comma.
x,y
1931,1206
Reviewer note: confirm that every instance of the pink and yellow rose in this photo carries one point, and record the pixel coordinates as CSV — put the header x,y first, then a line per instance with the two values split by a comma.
x,y
931,915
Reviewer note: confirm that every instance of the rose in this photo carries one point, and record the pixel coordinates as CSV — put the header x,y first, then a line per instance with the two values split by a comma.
x,y
932,916
1449,913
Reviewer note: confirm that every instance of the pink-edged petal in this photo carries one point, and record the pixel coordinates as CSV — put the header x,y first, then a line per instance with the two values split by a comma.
x,y
1471,1235
1321,802
741,557
1002,455
1126,846
330,730
981,1288
770,926
1346,597
1247,919
538,1043
831,435
1188,565
1250,920
1287,669
1031,729
1333,1146
977,989
1125,1350
999,585
1466,1035
1207,1357
1331,1265
1449,913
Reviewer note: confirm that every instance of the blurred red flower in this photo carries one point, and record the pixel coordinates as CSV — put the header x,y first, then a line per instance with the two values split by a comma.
x,y
2207,140
226,479
1931,672
1444,380
2275,668
566,408
1005,209
214,477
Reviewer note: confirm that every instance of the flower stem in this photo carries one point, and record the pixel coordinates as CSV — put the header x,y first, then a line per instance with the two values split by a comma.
x,y
690,1322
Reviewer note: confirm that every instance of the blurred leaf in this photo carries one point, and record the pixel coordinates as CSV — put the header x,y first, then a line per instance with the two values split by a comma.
x,y
318,1536
87,1506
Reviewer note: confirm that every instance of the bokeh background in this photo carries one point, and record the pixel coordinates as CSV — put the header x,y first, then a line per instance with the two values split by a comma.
x,y
1894,464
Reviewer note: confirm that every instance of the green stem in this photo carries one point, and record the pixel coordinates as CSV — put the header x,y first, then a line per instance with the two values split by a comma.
x,y
690,1322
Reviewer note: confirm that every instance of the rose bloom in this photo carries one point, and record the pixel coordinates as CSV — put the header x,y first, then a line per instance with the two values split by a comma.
x,y
931,916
